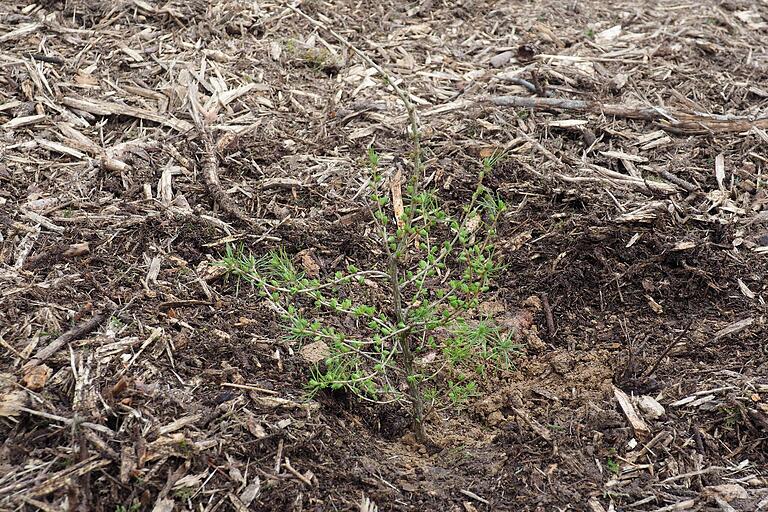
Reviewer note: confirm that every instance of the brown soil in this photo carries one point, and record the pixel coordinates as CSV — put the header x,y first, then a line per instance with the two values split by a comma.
x,y
653,291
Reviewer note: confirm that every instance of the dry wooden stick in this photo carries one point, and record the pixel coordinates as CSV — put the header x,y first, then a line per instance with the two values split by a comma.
x,y
279,457
295,472
648,114
685,185
68,421
250,388
678,122
535,425
71,335
210,174
649,371
548,314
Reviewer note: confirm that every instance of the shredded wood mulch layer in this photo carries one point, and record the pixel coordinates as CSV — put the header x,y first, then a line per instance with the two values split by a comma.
x,y
139,138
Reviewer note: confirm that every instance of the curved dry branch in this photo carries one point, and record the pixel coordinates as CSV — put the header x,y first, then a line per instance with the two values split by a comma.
x,y
210,176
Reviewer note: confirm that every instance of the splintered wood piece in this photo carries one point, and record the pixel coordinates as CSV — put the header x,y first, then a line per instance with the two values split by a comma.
x,y
179,423
227,97
43,221
12,401
237,503
720,171
640,428
68,475
78,140
106,108
535,425
368,505
10,105
595,505
19,122
60,148
624,156
22,31
250,492
734,328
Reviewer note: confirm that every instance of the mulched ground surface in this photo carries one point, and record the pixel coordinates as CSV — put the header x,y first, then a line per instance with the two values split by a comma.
x,y
176,390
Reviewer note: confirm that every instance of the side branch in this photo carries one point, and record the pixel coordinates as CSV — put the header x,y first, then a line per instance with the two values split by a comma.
x,y
210,162
678,122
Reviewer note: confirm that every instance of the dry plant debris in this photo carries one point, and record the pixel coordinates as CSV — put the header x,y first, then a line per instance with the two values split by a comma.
x,y
141,138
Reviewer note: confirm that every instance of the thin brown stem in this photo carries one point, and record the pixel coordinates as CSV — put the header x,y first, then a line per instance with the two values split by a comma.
x,y
393,265
414,389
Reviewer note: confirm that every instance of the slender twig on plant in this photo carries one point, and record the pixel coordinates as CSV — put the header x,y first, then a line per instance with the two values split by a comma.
x,y
328,284
443,251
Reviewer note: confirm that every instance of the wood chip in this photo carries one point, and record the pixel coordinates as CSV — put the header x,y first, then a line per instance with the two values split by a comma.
x,y
640,428
251,491
676,507
36,377
728,492
19,122
734,328
663,141
650,407
12,401
179,424
595,505
60,148
624,156
501,59
568,123
745,289
684,246
21,32
316,352
10,105
309,263
127,463
67,475
720,171
43,221
164,505
648,137
608,35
